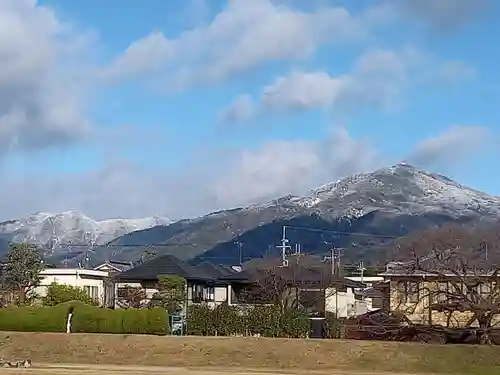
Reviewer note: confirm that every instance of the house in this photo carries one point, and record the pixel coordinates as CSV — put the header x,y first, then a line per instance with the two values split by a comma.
x,y
313,287
114,267
201,284
222,288
92,281
350,299
418,289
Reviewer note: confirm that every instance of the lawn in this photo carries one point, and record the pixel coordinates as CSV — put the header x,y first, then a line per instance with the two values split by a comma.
x,y
250,353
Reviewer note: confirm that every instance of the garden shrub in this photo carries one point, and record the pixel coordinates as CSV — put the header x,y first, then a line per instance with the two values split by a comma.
x,y
61,293
295,324
34,319
228,320
265,321
86,319
199,321
333,325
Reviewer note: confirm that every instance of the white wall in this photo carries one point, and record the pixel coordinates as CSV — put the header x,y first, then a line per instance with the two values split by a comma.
x,y
339,302
347,304
88,279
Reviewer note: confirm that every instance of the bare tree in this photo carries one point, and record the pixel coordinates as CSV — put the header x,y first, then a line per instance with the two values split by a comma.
x,y
294,287
458,275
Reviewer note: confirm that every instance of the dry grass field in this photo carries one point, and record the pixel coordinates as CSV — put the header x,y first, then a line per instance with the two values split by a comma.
x,y
202,355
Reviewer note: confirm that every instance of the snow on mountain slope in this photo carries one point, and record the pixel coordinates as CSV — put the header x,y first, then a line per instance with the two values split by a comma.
x,y
72,228
401,188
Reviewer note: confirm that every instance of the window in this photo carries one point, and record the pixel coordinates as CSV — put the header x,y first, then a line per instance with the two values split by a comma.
x,y
484,290
92,291
197,293
209,293
442,292
408,291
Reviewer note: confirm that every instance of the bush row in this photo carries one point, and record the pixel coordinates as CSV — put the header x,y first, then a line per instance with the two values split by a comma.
x,y
86,319
266,321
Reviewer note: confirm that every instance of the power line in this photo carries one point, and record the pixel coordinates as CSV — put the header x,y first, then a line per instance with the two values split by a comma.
x,y
341,232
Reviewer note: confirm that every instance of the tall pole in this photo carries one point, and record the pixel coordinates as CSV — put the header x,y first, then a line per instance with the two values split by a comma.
x,y
240,251
284,246
332,254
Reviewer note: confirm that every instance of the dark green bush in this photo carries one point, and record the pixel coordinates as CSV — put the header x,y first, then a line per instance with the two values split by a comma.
x,y
199,321
34,319
333,325
86,319
265,321
228,320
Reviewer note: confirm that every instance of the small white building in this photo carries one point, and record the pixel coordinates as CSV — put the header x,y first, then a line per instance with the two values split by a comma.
x,y
92,281
348,301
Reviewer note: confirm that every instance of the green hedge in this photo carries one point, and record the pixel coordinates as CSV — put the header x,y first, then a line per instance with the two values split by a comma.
x,y
86,319
267,321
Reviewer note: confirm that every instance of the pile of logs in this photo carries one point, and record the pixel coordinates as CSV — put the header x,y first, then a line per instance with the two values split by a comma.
x,y
393,326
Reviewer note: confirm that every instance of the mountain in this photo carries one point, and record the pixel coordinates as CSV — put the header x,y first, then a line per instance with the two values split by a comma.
x,y
361,213
56,231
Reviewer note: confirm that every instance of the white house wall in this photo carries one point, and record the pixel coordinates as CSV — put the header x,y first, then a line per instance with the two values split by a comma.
x,y
76,278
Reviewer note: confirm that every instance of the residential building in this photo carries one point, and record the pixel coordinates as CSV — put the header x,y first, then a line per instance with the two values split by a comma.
x,y
92,281
418,292
201,285
114,267
312,287
348,299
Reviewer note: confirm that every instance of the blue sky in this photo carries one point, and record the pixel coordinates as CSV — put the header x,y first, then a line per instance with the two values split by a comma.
x,y
180,107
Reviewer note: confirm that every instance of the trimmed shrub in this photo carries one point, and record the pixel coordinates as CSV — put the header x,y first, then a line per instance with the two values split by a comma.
x,y
265,321
86,319
333,325
295,323
199,321
228,320
34,319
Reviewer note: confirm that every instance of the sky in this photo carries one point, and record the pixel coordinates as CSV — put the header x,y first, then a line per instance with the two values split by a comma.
x,y
178,108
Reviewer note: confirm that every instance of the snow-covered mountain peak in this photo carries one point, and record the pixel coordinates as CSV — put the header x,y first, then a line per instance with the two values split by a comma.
x,y
54,230
399,188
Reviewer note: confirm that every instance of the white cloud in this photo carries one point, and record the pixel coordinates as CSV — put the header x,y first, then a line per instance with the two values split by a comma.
x,y
443,15
242,36
379,78
40,98
451,147
224,180
242,109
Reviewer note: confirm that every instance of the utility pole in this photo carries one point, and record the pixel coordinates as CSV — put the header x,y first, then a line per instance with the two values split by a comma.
x,y
332,255
361,270
284,247
337,254
240,251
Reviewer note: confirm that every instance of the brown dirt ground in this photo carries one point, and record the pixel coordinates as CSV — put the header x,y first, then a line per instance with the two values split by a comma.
x,y
150,370
246,353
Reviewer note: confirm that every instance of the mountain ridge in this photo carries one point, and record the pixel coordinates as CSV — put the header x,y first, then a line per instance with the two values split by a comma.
x,y
391,201
386,203
55,230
